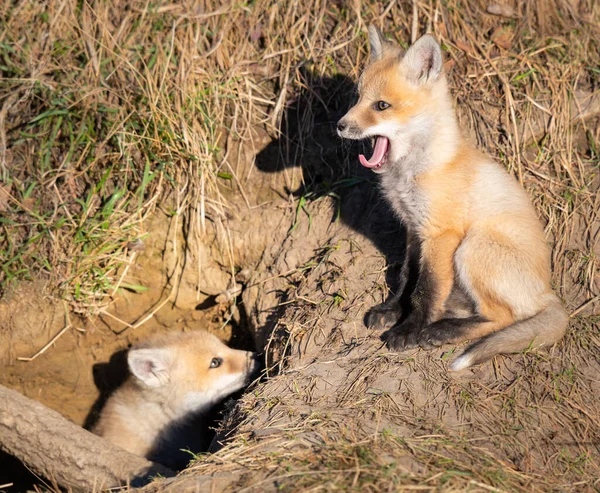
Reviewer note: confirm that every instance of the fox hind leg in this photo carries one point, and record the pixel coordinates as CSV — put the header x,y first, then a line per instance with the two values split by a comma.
x,y
453,330
488,271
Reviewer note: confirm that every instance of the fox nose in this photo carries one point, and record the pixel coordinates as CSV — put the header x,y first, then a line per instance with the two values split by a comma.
x,y
341,126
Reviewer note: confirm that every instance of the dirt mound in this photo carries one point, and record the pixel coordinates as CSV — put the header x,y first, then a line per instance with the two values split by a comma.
x,y
345,412
337,409
221,119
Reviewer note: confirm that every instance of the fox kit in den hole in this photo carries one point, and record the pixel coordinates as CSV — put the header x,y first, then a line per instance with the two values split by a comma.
x,y
174,379
471,229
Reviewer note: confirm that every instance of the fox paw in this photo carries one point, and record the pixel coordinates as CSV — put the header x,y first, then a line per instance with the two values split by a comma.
x,y
432,337
382,317
446,331
402,336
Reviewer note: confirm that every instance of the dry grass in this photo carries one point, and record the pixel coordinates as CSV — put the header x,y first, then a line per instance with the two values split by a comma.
x,y
108,110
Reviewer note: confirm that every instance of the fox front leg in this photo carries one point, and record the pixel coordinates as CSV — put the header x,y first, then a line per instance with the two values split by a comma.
x,y
433,288
388,313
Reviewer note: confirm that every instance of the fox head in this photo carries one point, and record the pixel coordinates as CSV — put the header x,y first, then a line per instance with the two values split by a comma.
x,y
399,97
190,372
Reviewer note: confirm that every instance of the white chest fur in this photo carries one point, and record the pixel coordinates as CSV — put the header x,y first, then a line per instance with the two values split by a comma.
x,y
402,192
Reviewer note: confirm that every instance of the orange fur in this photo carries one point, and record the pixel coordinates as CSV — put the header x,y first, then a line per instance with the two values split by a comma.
x,y
475,225
438,252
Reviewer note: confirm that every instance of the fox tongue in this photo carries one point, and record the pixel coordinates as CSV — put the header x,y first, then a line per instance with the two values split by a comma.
x,y
381,145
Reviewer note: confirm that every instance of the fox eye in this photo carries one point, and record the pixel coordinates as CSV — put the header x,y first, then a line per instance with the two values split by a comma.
x,y
382,105
216,362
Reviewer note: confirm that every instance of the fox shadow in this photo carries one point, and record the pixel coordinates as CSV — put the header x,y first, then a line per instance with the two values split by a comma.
x,y
330,166
108,377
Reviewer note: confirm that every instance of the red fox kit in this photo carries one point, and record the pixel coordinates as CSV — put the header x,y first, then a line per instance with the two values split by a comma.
x,y
471,228
174,378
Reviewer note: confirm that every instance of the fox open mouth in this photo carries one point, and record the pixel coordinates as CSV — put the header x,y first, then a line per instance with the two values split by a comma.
x,y
380,152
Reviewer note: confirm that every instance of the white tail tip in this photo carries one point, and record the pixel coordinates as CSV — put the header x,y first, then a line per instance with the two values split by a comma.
x,y
461,363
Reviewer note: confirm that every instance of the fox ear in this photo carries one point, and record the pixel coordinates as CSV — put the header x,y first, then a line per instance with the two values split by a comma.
x,y
377,43
423,61
151,366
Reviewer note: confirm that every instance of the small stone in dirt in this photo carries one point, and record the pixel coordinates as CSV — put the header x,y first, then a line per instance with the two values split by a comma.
x,y
501,10
136,245
243,276
229,294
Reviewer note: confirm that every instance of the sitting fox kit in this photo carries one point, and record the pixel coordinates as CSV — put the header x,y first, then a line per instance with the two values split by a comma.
x,y
174,378
471,228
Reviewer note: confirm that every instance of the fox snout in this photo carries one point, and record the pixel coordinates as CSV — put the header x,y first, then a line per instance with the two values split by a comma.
x,y
347,129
